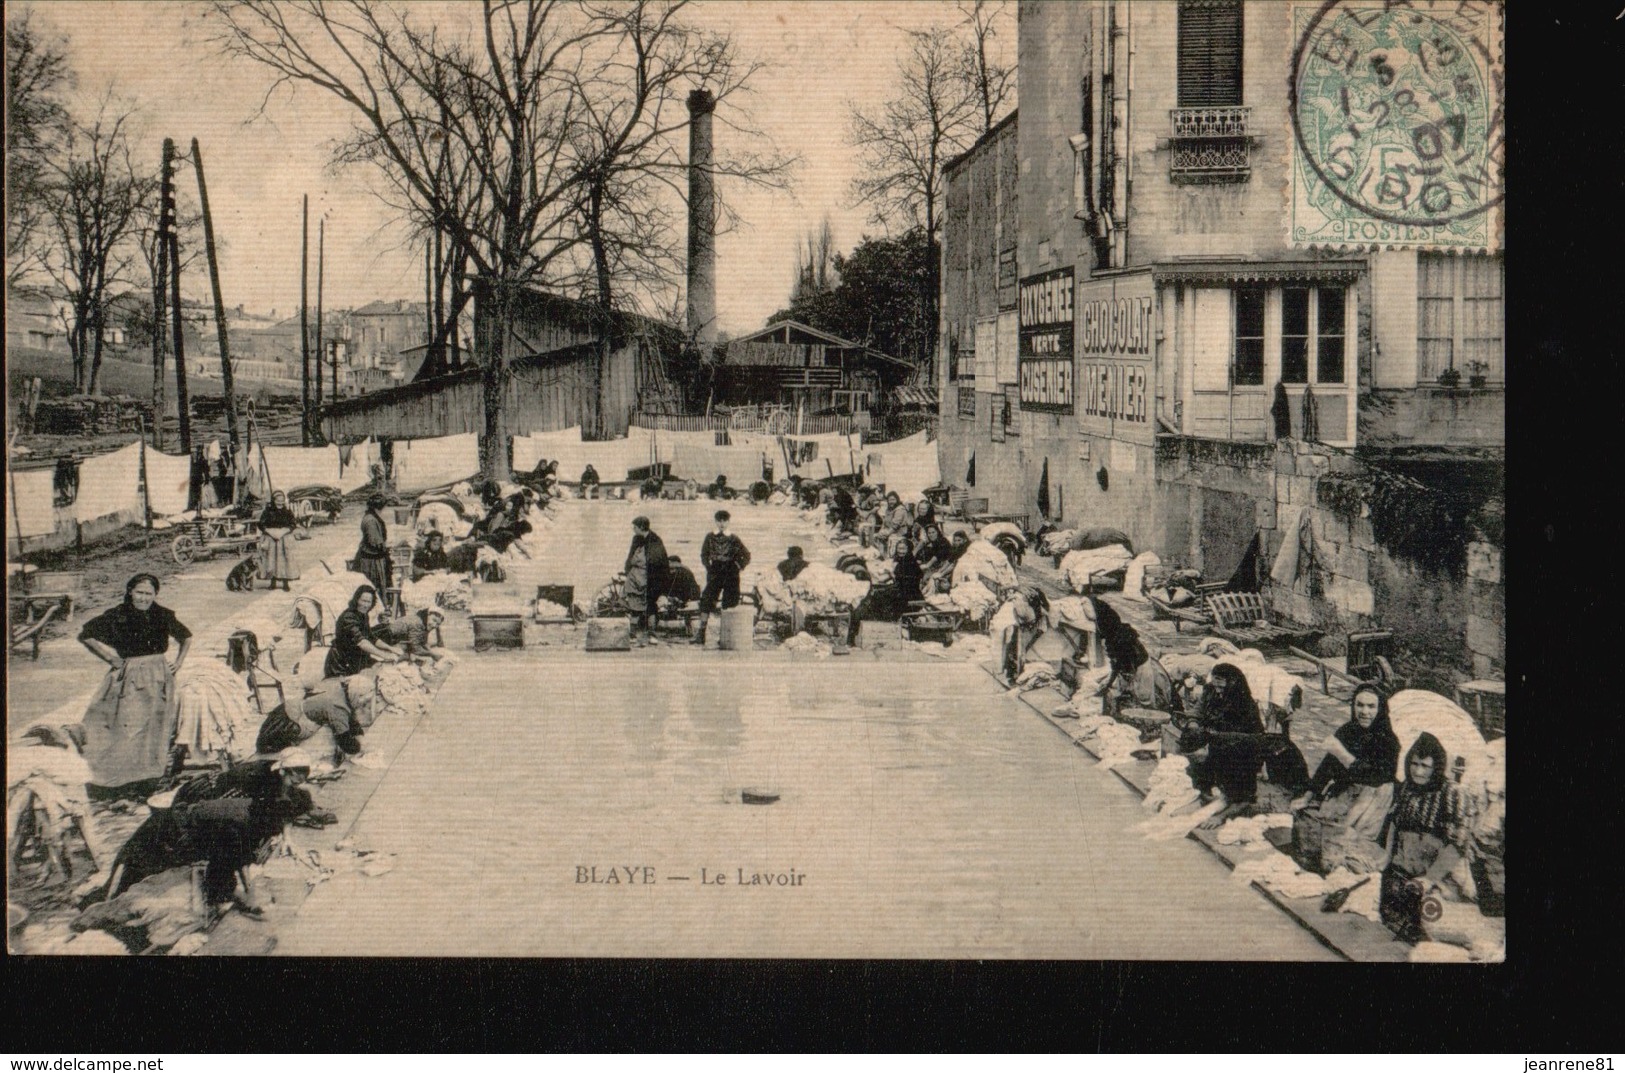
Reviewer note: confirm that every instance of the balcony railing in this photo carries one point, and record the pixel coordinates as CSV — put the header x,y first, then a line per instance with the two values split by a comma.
x,y
1209,145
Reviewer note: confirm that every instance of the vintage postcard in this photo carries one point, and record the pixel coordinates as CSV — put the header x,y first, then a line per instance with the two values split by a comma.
x,y
948,480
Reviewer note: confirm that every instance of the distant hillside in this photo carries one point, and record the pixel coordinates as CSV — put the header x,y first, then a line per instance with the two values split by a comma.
x,y
55,371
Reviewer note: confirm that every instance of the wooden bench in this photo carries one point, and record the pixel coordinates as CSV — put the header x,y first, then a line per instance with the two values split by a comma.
x,y
37,598
1367,660
1243,619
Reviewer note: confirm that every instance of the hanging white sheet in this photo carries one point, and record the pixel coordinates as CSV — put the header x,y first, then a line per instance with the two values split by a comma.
x,y
423,464
296,467
169,478
33,509
109,484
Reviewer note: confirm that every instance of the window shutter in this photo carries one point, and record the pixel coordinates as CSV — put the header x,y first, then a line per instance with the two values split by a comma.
x,y
1209,53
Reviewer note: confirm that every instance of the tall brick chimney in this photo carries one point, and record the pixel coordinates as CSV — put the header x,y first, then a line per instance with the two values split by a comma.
x,y
702,223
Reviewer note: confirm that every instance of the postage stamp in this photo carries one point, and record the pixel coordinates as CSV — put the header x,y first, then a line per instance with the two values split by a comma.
x,y
1398,133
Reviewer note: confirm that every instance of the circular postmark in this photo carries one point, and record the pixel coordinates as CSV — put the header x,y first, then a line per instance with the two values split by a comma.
x,y
1396,110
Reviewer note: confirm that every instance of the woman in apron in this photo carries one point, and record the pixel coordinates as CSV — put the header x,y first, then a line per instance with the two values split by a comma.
x,y
130,724
277,524
1426,834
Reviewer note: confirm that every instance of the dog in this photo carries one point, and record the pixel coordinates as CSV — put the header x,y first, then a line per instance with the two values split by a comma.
x,y
241,578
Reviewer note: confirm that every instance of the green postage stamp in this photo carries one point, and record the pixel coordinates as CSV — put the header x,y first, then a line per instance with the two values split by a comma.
x,y
1398,133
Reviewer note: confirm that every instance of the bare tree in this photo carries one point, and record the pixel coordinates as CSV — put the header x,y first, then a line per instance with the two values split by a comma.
x,y
985,65
95,202
628,135
37,73
815,264
904,144
529,139
492,105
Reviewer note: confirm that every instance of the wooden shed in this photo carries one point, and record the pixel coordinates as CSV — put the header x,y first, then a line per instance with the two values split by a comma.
x,y
561,377
795,364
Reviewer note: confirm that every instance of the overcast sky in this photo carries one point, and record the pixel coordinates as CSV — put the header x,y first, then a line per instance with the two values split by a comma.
x,y
818,55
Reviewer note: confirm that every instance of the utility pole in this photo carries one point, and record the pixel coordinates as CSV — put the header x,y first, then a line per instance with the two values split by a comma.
x,y
304,320
219,302
181,402
160,282
321,249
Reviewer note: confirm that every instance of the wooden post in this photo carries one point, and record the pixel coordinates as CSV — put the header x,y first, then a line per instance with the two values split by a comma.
x,y
219,302
304,325
146,489
181,402
160,281
321,249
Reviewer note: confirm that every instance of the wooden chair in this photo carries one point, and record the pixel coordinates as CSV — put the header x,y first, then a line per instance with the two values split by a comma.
x,y
1246,621
1367,660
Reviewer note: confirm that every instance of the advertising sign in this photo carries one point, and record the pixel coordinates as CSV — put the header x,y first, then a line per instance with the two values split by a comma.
x,y
1116,336
1045,327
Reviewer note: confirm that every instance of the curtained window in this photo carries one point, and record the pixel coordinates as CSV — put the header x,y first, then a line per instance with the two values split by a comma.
x,y
1460,315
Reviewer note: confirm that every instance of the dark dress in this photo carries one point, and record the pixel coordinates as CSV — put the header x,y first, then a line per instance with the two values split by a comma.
x,y
1376,754
790,568
223,822
130,724
647,572
724,556
427,560
372,556
1231,765
908,577
346,657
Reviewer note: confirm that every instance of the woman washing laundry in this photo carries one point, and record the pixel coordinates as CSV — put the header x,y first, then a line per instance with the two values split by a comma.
x,y
130,724
1137,679
1228,726
1426,834
277,524
355,645
647,568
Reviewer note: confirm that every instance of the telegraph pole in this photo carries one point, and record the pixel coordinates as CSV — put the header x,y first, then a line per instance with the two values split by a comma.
x,y
219,302
160,282
321,249
304,320
181,402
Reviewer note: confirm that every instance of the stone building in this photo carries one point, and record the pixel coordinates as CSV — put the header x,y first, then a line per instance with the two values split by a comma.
x,y
1210,222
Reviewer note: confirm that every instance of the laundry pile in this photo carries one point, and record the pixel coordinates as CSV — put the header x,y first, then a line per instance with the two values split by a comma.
x,y
46,797
984,562
1057,541
805,644
1170,786
217,714
1244,830
821,589
1078,566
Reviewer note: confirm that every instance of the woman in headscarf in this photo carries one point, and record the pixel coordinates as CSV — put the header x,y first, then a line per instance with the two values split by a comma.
x,y
1137,680
1226,721
277,524
1426,834
130,725
1360,753
431,556
355,646
1353,788
372,556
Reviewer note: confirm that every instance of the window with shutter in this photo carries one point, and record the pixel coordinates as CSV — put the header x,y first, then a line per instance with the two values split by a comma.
x,y
1209,53
1209,142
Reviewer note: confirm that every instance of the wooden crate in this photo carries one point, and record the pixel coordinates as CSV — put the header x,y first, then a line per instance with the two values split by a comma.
x,y
563,595
609,635
498,631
